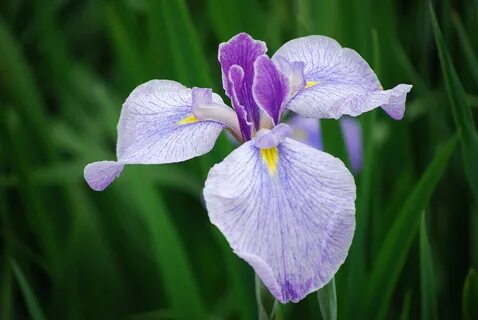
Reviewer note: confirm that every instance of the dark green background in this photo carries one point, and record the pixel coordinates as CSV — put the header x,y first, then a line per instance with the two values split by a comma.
x,y
144,249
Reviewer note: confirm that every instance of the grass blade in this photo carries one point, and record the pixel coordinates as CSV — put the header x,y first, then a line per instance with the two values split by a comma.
x,y
357,256
179,282
470,296
407,301
189,61
17,76
427,276
470,55
261,293
328,301
460,108
393,252
124,46
31,301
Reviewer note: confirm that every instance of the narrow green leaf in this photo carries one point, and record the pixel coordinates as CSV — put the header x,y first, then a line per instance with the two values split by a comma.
x,y
470,55
393,252
472,100
407,66
184,42
470,296
328,301
407,301
357,256
318,17
153,315
427,275
223,14
17,76
124,46
180,285
333,139
6,289
227,18
239,286
16,142
31,301
460,108
261,296
473,247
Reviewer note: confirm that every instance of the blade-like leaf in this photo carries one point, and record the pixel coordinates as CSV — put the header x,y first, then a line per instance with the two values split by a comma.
x,y
328,301
407,301
179,282
31,301
227,18
17,76
393,252
460,108
470,296
427,275
261,295
188,58
470,55
357,256
124,46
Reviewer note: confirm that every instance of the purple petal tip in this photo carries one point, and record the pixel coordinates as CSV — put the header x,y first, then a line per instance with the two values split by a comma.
x,y
396,106
99,175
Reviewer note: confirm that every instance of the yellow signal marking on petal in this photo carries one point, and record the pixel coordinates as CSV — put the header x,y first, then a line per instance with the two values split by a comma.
x,y
189,119
270,157
310,84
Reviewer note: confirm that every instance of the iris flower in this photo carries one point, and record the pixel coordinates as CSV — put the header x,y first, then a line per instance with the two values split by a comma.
x,y
284,207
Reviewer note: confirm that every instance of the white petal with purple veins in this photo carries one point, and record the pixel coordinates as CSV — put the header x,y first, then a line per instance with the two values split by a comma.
x,y
157,125
154,126
338,81
288,211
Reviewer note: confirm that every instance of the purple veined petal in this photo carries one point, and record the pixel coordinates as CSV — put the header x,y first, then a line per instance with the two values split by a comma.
x,y
294,71
241,50
338,81
306,130
352,133
289,211
270,88
236,76
157,125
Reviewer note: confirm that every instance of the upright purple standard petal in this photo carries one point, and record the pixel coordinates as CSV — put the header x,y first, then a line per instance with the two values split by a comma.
x,y
352,133
338,81
288,211
157,125
270,88
241,50
236,79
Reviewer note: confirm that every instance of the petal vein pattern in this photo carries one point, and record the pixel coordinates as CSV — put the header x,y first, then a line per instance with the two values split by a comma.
x,y
338,81
156,125
294,228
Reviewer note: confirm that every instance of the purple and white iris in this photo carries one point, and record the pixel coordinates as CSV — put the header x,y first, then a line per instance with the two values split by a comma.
x,y
286,208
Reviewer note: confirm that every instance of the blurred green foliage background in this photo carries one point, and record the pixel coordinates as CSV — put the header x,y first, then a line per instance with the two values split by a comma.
x,y
144,248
